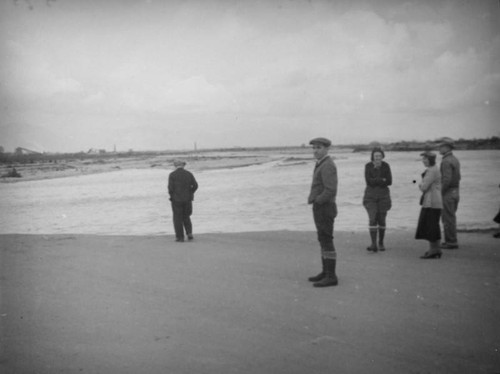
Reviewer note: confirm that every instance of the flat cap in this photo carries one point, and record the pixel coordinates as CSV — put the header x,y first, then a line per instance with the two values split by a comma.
x,y
447,141
178,162
322,141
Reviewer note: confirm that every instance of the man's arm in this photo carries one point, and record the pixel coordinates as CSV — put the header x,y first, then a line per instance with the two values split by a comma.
x,y
194,184
170,185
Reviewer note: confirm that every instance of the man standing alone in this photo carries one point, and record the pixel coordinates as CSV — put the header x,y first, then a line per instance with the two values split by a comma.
x,y
450,183
181,187
322,197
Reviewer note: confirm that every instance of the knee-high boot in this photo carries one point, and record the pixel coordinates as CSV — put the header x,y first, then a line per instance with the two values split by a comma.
x,y
330,278
321,275
381,236
373,237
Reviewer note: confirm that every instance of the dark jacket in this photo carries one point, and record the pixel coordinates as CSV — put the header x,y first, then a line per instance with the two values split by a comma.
x,y
181,185
450,172
324,183
378,177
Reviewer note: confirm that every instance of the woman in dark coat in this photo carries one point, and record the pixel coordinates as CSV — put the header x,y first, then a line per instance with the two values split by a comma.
x,y
377,198
432,204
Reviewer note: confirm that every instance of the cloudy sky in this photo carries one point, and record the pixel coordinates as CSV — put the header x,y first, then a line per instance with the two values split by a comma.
x,y
155,75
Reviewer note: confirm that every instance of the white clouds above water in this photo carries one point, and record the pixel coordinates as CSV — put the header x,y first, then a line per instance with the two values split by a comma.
x,y
164,74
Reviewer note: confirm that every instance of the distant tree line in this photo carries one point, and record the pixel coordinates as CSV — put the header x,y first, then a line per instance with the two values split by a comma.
x,y
407,146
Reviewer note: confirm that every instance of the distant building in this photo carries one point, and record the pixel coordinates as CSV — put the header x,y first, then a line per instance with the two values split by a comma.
x,y
25,151
95,151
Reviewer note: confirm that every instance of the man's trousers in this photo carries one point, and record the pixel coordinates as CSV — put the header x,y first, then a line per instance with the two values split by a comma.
x,y
324,217
182,211
449,215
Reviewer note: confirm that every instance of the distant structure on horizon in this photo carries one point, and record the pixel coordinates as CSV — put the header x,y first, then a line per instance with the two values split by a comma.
x,y
25,151
95,151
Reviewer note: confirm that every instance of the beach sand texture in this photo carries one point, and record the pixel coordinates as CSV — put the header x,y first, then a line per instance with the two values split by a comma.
x,y
241,303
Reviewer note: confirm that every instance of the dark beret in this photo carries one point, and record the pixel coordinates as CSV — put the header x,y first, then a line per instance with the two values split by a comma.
x,y
322,141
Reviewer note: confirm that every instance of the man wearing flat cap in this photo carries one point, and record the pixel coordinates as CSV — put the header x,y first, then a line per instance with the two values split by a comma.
x,y
323,199
450,184
181,187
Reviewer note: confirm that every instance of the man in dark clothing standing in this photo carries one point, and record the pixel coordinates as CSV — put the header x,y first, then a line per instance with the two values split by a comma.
x,y
322,197
450,184
181,187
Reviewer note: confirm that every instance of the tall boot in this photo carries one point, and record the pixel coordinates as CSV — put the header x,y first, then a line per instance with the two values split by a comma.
x,y
321,275
373,237
381,236
330,278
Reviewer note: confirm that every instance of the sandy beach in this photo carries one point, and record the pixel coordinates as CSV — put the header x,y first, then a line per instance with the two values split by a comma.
x,y
241,303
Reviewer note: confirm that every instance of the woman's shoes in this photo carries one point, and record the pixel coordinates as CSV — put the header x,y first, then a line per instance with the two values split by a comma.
x,y
372,248
428,256
381,247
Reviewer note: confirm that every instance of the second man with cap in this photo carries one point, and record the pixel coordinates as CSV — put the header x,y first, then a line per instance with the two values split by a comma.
x,y
181,187
323,199
450,177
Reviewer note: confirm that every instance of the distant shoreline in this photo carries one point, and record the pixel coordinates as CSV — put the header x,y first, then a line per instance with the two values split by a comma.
x,y
19,167
24,155
71,165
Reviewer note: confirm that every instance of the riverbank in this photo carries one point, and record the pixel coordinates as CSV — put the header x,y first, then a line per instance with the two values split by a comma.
x,y
95,164
241,303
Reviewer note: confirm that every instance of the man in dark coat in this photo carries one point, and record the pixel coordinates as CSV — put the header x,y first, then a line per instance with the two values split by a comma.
x,y
181,187
323,199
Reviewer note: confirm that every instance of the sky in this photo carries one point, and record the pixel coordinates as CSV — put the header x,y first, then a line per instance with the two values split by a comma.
x,y
175,74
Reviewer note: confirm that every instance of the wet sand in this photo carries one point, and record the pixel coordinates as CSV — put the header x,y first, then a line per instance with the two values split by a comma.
x,y
241,303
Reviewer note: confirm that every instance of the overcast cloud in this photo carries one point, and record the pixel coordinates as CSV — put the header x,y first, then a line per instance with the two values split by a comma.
x,y
140,74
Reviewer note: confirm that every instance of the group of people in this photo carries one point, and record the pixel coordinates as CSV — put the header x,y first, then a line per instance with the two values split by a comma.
x,y
440,198
439,201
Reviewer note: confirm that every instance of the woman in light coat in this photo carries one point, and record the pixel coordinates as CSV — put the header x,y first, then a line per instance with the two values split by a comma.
x,y
432,204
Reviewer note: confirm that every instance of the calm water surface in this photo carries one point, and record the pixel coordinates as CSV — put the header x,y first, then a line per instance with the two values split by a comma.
x,y
271,196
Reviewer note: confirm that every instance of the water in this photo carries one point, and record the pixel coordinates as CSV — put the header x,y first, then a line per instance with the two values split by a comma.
x,y
270,196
